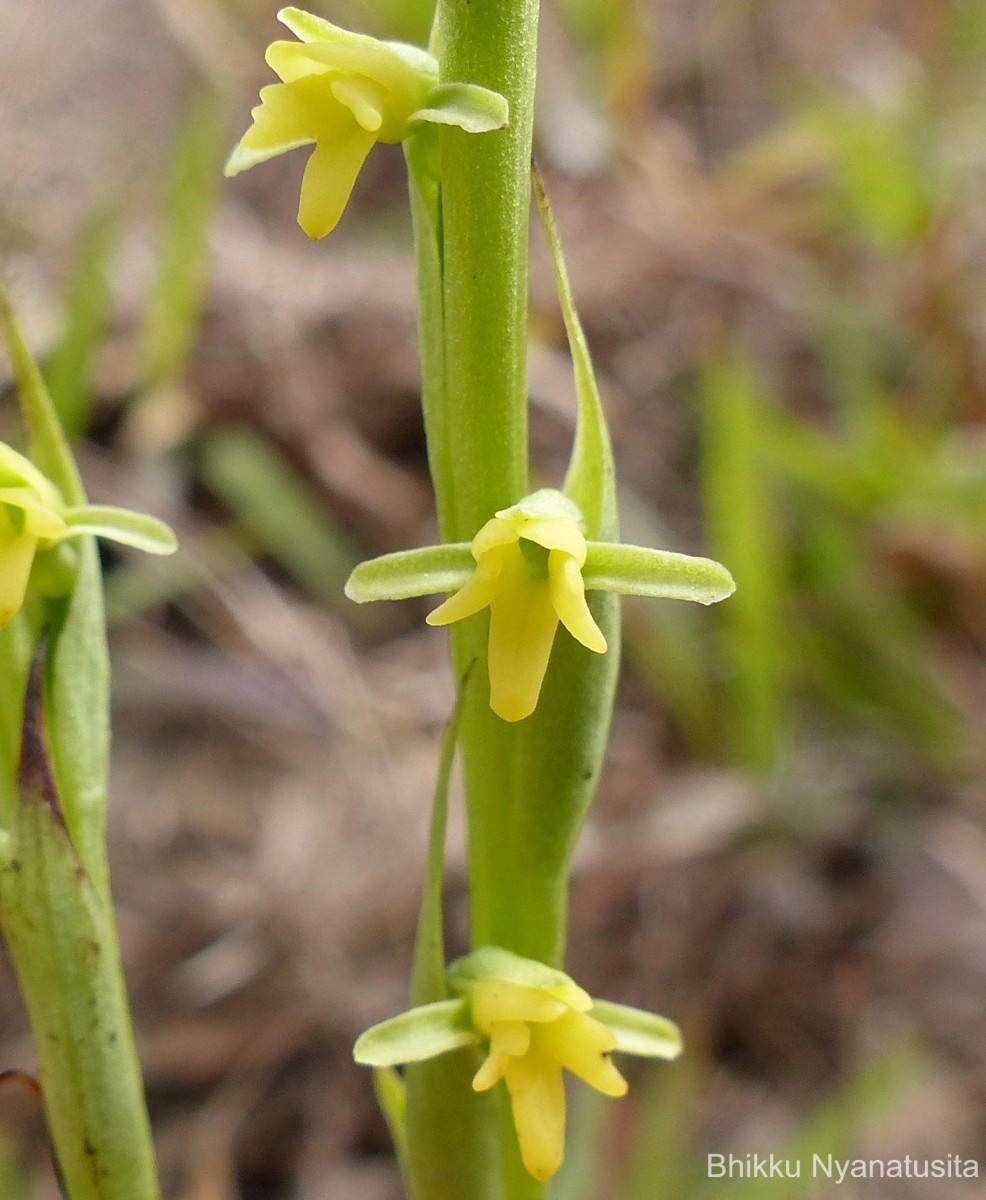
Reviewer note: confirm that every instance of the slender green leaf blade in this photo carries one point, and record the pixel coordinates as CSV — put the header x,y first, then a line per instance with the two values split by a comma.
x,y
279,509
68,371
174,307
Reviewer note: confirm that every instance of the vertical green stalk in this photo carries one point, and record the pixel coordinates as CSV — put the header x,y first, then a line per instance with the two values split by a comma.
x,y
485,205
484,215
527,784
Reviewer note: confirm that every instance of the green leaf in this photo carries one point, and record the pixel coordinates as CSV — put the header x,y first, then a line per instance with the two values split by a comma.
x,y
58,927
407,573
419,1034
77,690
662,574
121,525
466,105
591,477
638,1032
17,645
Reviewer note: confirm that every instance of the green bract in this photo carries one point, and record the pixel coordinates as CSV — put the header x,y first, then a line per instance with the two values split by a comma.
x,y
341,92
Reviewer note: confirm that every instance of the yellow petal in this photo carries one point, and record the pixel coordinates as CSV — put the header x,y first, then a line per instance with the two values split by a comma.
x,y
329,179
582,1045
363,98
495,1001
40,519
18,471
509,1039
537,1095
472,596
556,533
16,555
495,533
522,630
291,61
289,115
568,600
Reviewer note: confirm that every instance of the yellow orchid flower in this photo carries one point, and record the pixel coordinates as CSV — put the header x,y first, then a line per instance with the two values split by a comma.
x,y
341,92
535,1032
34,518
529,562
532,566
29,515
534,1023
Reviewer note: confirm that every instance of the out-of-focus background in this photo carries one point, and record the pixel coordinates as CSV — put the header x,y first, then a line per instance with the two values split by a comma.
x,y
775,216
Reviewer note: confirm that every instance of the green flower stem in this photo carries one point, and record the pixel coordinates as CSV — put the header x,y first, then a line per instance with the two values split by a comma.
x,y
485,202
527,784
480,376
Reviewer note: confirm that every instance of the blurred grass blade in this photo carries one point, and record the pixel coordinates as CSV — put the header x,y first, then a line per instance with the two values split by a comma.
x,y
659,1163
835,1127
576,1179
884,183
279,510
868,648
743,534
69,369
175,304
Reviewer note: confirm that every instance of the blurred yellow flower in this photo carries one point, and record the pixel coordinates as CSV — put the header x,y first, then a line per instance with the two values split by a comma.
x,y
29,514
534,1023
529,562
341,92
534,1032
33,518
